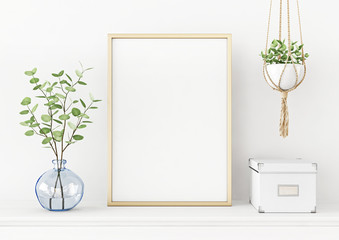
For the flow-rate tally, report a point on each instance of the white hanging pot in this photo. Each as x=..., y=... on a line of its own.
x=288, y=79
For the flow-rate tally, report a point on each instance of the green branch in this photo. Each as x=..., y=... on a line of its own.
x=57, y=100
x=44, y=134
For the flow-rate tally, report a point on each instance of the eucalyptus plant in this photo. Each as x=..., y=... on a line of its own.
x=64, y=117
x=278, y=53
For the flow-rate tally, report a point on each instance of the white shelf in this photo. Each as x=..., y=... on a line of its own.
x=241, y=214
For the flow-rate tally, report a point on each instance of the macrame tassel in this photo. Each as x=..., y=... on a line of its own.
x=284, y=116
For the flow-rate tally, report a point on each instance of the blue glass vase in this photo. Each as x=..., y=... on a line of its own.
x=59, y=189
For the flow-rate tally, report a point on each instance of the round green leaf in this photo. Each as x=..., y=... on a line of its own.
x=71, y=125
x=57, y=134
x=82, y=126
x=78, y=73
x=37, y=87
x=60, y=95
x=49, y=103
x=34, y=125
x=29, y=133
x=82, y=83
x=46, y=140
x=34, y=108
x=57, y=106
x=71, y=89
x=24, y=124
x=34, y=80
x=29, y=73
x=91, y=97
x=26, y=101
x=54, y=98
x=24, y=112
x=34, y=70
x=29, y=121
x=46, y=118
x=43, y=85
x=75, y=112
x=61, y=73
x=78, y=137
x=64, y=82
x=64, y=117
x=45, y=130
x=49, y=89
x=58, y=139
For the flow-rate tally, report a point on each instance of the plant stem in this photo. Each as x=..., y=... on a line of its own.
x=62, y=190
x=64, y=125
x=50, y=113
x=56, y=154
x=61, y=187
x=54, y=141
x=62, y=89
x=62, y=148
x=56, y=182
x=76, y=128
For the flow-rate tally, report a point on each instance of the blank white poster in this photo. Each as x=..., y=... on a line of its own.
x=169, y=113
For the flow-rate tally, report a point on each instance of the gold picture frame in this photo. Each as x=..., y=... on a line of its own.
x=228, y=201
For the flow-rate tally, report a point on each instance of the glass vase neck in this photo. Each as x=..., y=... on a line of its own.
x=59, y=164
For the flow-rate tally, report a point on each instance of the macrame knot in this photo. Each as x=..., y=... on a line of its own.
x=284, y=116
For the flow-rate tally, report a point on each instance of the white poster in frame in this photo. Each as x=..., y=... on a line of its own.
x=169, y=119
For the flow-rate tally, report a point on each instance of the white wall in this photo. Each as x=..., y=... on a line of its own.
x=55, y=35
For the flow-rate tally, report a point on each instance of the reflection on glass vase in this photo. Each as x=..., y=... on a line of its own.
x=59, y=189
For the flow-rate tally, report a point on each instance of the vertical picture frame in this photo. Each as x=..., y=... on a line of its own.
x=169, y=120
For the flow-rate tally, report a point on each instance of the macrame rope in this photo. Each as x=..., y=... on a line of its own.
x=268, y=27
x=280, y=17
x=283, y=126
x=301, y=41
x=301, y=35
x=283, y=129
x=284, y=118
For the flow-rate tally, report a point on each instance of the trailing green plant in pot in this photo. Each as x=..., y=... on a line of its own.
x=58, y=189
x=277, y=58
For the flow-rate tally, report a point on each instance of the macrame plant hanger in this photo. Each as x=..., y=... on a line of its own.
x=284, y=118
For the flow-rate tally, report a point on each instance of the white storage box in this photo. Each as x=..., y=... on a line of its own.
x=283, y=185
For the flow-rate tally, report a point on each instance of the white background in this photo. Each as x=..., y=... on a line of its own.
x=169, y=119
x=55, y=35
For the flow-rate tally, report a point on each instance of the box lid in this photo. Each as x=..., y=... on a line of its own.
x=282, y=165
